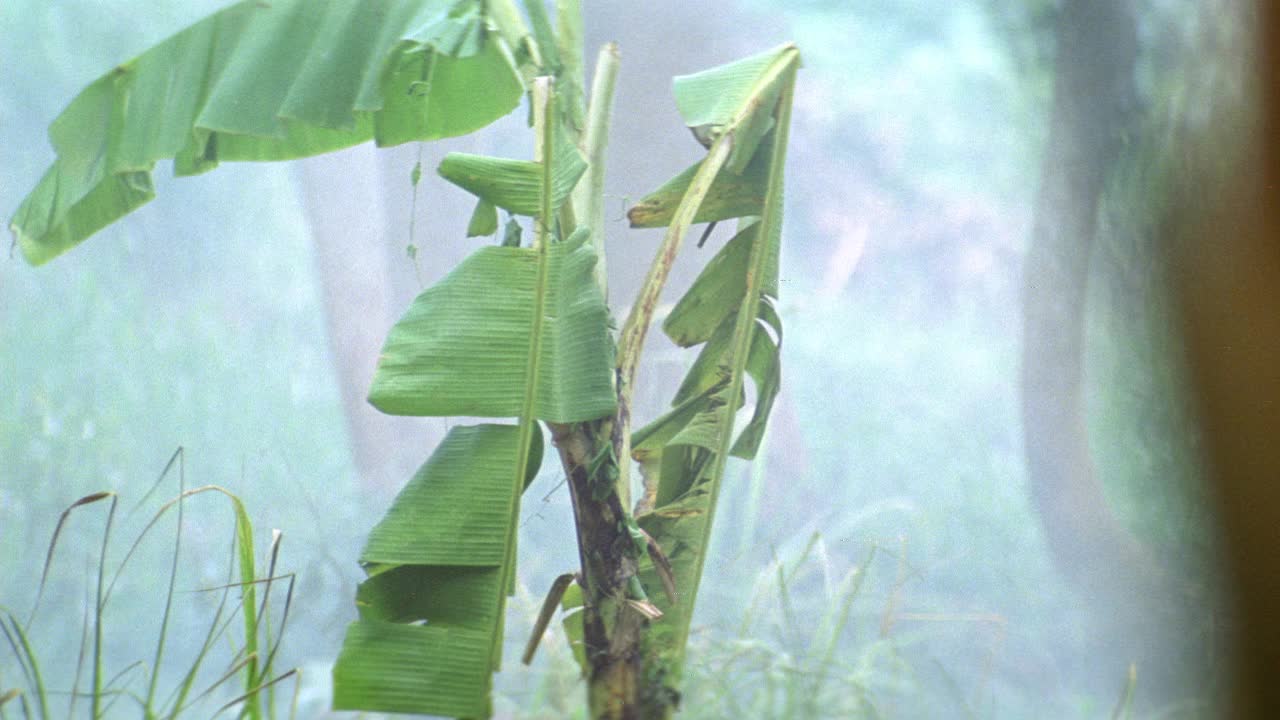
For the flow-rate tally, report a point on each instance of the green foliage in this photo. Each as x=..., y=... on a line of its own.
x=515, y=185
x=252, y=657
x=264, y=82
x=917, y=440
x=732, y=195
x=513, y=332
x=440, y=555
x=684, y=452
x=461, y=348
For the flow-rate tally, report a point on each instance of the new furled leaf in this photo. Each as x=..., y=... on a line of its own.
x=265, y=81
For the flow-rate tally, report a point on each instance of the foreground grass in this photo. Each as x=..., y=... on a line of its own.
x=231, y=667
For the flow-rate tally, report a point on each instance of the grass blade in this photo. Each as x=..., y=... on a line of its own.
x=98, y=607
x=53, y=543
x=27, y=662
x=158, y=660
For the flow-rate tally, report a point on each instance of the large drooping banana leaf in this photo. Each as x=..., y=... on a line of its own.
x=266, y=81
x=730, y=311
x=441, y=556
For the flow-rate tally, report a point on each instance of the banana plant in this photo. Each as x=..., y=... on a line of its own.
x=519, y=330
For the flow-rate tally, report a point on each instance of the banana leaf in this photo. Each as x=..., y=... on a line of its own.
x=511, y=331
x=462, y=347
x=730, y=311
x=515, y=185
x=265, y=81
x=730, y=196
x=736, y=100
x=439, y=557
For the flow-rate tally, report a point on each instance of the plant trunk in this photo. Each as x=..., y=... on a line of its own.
x=613, y=630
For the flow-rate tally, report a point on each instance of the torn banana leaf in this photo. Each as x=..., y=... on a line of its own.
x=729, y=310
x=265, y=81
x=738, y=99
x=681, y=450
x=719, y=288
x=429, y=636
x=730, y=196
x=461, y=348
x=707, y=314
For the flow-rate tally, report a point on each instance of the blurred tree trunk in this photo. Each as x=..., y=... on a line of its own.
x=1096, y=48
x=342, y=201
x=1226, y=224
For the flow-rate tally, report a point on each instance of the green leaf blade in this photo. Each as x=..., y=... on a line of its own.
x=515, y=185
x=461, y=347
x=719, y=289
x=264, y=81
x=730, y=196
x=456, y=509
x=440, y=556
x=390, y=667
x=738, y=98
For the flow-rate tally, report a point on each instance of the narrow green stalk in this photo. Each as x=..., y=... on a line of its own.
x=1123, y=709
x=588, y=196
x=543, y=124
x=29, y=664
x=157, y=662
x=95, y=701
x=832, y=637
x=745, y=323
x=248, y=600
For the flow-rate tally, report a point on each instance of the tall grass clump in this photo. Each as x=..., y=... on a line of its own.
x=231, y=666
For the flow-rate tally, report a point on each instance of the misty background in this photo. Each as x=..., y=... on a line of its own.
x=239, y=315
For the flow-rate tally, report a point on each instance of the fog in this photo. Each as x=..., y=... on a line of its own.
x=997, y=478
